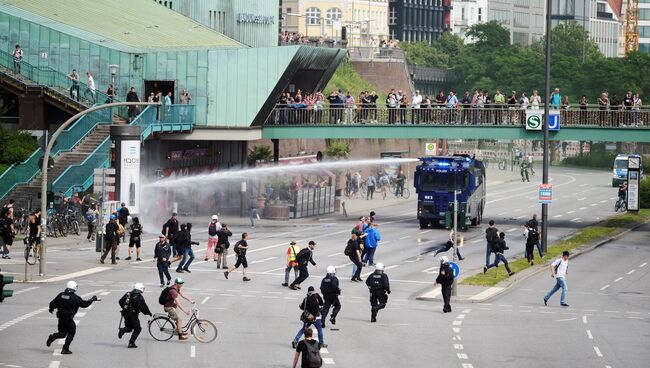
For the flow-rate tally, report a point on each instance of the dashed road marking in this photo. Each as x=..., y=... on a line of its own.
x=600, y=355
x=583, y=208
x=556, y=216
x=456, y=329
x=205, y=300
x=457, y=323
x=460, y=316
x=589, y=335
x=425, y=231
x=476, y=241
x=604, y=287
x=405, y=237
x=54, y=364
x=584, y=319
x=643, y=264
x=26, y=290
x=467, y=365
x=511, y=230
x=618, y=279
x=75, y=275
x=192, y=351
x=631, y=272
x=570, y=212
x=462, y=356
x=328, y=361
x=335, y=254
x=458, y=346
x=577, y=219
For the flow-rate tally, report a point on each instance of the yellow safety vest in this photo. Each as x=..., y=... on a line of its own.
x=293, y=252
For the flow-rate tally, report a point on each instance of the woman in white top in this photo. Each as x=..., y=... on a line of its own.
x=636, y=108
x=535, y=100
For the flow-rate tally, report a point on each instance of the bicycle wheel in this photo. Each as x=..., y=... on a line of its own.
x=62, y=229
x=203, y=330
x=623, y=207
x=76, y=228
x=363, y=190
x=161, y=328
x=406, y=193
x=30, y=255
x=617, y=205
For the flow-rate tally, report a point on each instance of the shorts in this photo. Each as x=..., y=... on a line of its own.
x=241, y=261
x=8, y=240
x=134, y=241
x=293, y=264
x=172, y=313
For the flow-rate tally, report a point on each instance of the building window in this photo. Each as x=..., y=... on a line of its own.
x=313, y=16
x=392, y=17
x=333, y=14
x=480, y=15
x=462, y=13
x=600, y=7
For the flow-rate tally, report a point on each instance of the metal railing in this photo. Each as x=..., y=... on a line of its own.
x=20, y=173
x=497, y=116
x=426, y=74
x=376, y=54
x=72, y=177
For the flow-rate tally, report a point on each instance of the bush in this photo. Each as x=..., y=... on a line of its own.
x=644, y=193
x=599, y=159
x=346, y=78
x=16, y=147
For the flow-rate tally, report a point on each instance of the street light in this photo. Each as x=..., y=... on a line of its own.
x=547, y=91
x=45, y=167
x=113, y=69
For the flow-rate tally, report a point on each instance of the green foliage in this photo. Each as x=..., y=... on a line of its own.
x=423, y=54
x=489, y=36
x=570, y=40
x=346, y=78
x=644, y=193
x=337, y=149
x=16, y=146
x=594, y=159
x=260, y=153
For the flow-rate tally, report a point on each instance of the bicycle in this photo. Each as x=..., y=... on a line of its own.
x=162, y=328
x=406, y=193
x=621, y=204
x=32, y=252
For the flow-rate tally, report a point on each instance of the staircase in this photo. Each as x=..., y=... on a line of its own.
x=27, y=196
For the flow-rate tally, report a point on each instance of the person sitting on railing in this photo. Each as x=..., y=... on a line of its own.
x=74, y=88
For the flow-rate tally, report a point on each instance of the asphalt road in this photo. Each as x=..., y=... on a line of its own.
x=257, y=320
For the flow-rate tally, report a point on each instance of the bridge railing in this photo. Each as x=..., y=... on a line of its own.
x=300, y=114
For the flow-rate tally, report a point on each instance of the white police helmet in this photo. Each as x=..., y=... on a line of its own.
x=139, y=286
x=71, y=285
x=379, y=266
x=331, y=270
x=444, y=259
x=215, y=218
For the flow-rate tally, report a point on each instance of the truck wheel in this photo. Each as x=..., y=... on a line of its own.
x=424, y=223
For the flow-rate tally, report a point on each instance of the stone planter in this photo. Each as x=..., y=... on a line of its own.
x=261, y=201
x=277, y=212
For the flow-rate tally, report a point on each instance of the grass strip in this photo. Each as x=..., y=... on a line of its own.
x=585, y=236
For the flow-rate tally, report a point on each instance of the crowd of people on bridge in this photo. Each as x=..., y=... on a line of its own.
x=479, y=107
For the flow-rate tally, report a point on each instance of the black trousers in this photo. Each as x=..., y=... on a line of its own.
x=304, y=273
x=378, y=300
x=446, y=297
x=66, y=329
x=329, y=301
x=131, y=324
x=357, y=274
x=530, y=255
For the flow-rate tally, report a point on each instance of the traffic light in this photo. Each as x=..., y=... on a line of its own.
x=5, y=280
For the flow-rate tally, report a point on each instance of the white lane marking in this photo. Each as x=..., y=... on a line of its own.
x=456, y=329
x=57, y=352
x=618, y=279
x=328, y=361
x=21, y=318
x=192, y=351
x=425, y=231
x=589, y=335
x=430, y=270
x=643, y=265
x=600, y=355
x=458, y=346
x=570, y=212
x=324, y=351
x=556, y=216
x=462, y=356
x=405, y=237
x=631, y=272
x=26, y=290
x=584, y=319
x=511, y=230
x=205, y=300
x=75, y=275
x=594, y=204
x=263, y=260
x=476, y=241
x=54, y=364
x=583, y=208
x=104, y=293
x=582, y=199
x=275, y=269
x=565, y=320
x=486, y=293
x=604, y=287
x=335, y=254
x=577, y=219
x=467, y=365
x=457, y=323
x=457, y=338
x=460, y=316
x=466, y=310
x=603, y=201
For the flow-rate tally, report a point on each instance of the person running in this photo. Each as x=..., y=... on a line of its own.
x=213, y=238
x=311, y=306
x=304, y=257
x=172, y=305
x=292, y=263
x=134, y=239
x=240, y=249
x=170, y=228
x=330, y=289
x=379, y=287
x=445, y=279
x=67, y=304
x=222, y=246
x=188, y=253
x=353, y=251
x=310, y=351
x=111, y=237
x=559, y=270
x=499, y=249
x=491, y=235
x=162, y=252
x=447, y=246
x=132, y=304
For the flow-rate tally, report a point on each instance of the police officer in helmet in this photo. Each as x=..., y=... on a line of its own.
x=133, y=304
x=67, y=303
x=445, y=279
x=329, y=287
x=379, y=290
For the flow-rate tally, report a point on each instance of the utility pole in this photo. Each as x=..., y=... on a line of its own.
x=547, y=91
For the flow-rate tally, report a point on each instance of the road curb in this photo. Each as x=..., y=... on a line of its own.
x=506, y=286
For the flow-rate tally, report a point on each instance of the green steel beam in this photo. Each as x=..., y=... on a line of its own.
x=452, y=132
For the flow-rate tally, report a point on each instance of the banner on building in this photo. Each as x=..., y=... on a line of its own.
x=130, y=175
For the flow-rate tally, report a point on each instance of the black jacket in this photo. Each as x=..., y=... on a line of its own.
x=312, y=304
x=499, y=246
x=172, y=227
x=162, y=251
x=446, y=276
x=330, y=285
x=188, y=236
x=111, y=231
x=133, y=302
x=305, y=255
x=68, y=303
x=378, y=281
x=181, y=239
x=222, y=236
x=136, y=230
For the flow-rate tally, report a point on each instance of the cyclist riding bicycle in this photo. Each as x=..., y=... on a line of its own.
x=172, y=304
x=622, y=191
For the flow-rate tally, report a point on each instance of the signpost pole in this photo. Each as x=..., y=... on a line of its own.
x=547, y=90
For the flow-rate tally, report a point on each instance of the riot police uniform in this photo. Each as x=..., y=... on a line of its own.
x=329, y=287
x=133, y=304
x=67, y=304
x=445, y=279
x=379, y=290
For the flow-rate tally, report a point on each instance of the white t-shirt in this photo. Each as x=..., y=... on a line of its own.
x=91, y=83
x=564, y=265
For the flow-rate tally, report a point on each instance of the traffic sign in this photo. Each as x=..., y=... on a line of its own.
x=533, y=120
x=431, y=149
x=554, y=120
x=454, y=268
x=545, y=193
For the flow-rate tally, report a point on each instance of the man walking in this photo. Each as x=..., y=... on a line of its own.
x=213, y=238
x=499, y=248
x=90, y=89
x=371, y=182
x=111, y=237
x=67, y=304
x=532, y=238
x=311, y=314
x=132, y=304
x=353, y=251
x=222, y=246
x=17, y=54
x=445, y=279
x=74, y=88
x=310, y=350
x=379, y=289
x=491, y=235
x=292, y=262
x=304, y=257
x=134, y=239
x=170, y=228
x=559, y=270
x=329, y=287
x=535, y=224
x=240, y=249
x=162, y=252
x=188, y=253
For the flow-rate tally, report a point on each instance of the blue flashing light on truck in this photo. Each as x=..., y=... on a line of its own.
x=435, y=181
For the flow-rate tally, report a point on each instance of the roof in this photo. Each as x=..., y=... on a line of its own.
x=128, y=25
x=617, y=7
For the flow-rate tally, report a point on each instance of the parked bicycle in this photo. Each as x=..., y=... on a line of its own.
x=163, y=328
x=32, y=252
x=71, y=222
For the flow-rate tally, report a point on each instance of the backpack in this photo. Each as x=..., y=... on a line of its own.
x=90, y=216
x=236, y=248
x=349, y=249
x=212, y=229
x=533, y=236
x=120, y=230
x=491, y=234
x=164, y=296
x=303, y=256
x=311, y=355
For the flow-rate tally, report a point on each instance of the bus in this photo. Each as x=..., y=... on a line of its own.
x=436, y=179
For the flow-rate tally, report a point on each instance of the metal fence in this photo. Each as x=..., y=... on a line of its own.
x=313, y=202
x=376, y=53
x=592, y=116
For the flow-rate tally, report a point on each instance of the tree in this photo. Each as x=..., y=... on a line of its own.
x=337, y=149
x=259, y=153
x=491, y=35
x=16, y=146
x=570, y=39
x=423, y=54
x=450, y=44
